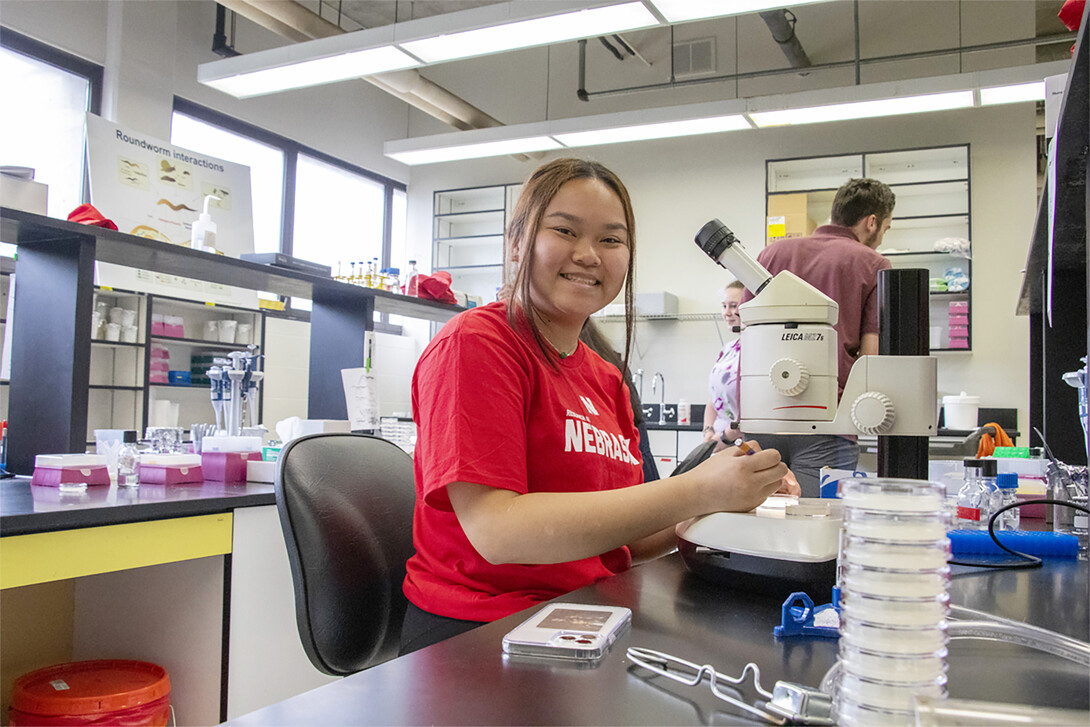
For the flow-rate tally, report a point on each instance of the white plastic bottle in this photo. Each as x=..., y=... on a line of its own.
x=684, y=415
x=203, y=236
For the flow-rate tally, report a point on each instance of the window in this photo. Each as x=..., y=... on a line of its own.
x=266, y=165
x=339, y=215
x=306, y=204
x=47, y=94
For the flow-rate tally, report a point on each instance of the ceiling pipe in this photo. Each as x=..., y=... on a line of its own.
x=783, y=32
x=252, y=13
x=292, y=14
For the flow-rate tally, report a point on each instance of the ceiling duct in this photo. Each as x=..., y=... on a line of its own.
x=783, y=32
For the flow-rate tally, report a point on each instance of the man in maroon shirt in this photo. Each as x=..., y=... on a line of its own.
x=840, y=260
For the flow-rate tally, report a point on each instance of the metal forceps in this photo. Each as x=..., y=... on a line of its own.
x=691, y=675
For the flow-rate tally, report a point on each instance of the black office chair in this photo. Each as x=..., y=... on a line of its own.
x=346, y=507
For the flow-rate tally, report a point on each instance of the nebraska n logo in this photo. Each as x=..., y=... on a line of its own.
x=589, y=405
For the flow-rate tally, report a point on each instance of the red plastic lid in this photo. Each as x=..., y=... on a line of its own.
x=85, y=687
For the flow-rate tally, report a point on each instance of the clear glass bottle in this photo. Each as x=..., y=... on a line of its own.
x=1007, y=484
x=369, y=275
x=969, y=497
x=411, y=279
x=376, y=276
x=128, y=461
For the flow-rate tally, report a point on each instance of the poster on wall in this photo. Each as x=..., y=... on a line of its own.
x=153, y=189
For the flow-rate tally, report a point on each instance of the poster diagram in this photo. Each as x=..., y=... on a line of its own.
x=153, y=189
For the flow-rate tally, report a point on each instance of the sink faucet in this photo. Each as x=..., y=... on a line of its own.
x=639, y=382
x=662, y=395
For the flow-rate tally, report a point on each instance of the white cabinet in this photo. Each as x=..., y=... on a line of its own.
x=933, y=204
x=467, y=236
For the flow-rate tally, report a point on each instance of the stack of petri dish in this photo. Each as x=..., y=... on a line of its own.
x=894, y=600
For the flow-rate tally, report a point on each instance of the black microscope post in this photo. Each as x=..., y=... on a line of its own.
x=903, y=330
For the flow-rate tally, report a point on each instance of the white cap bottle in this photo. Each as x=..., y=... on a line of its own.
x=203, y=236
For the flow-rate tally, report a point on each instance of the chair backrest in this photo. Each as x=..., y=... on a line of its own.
x=346, y=507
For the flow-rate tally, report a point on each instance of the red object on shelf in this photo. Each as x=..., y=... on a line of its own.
x=106, y=691
x=86, y=214
x=1071, y=13
x=436, y=287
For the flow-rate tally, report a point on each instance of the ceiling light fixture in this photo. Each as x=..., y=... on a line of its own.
x=645, y=132
x=1013, y=94
x=891, y=98
x=586, y=23
x=865, y=109
x=314, y=72
x=404, y=153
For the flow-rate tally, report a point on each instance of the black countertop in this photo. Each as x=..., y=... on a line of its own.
x=27, y=509
x=468, y=680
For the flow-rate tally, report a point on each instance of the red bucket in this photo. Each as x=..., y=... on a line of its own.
x=103, y=692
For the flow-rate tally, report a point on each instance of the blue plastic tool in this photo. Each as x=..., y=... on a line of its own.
x=799, y=620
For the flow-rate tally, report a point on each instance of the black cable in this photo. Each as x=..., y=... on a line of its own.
x=1030, y=561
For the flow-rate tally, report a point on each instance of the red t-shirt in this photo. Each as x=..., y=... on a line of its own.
x=836, y=263
x=490, y=410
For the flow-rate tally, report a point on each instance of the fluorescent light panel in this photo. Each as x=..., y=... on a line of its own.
x=680, y=11
x=314, y=72
x=1013, y=94
x=865, y=109
x=475, y=151
x=643, y=132
x=586, y=23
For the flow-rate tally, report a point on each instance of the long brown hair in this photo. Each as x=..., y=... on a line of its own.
x=537, y=192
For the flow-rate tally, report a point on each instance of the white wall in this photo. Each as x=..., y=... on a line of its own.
x=678, y=185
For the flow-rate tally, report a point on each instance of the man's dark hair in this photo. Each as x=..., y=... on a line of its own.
x=859, y=198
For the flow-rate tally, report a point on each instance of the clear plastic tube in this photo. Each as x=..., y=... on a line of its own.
x=1023, y=635
x=963, y=712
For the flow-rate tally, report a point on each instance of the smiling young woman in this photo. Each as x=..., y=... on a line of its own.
x=528, y=470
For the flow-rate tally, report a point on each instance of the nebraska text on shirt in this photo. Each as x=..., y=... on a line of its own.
x=581, y=436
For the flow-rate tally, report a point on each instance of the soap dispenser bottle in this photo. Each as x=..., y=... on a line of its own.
x=204, y=229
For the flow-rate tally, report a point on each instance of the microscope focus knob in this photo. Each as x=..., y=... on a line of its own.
x=789, y=377
x=873, y=413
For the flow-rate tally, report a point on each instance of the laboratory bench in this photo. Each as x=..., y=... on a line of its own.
x=194, y=578
x=468, y=679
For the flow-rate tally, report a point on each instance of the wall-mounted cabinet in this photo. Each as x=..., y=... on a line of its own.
x=933, y=205
x=467, y=236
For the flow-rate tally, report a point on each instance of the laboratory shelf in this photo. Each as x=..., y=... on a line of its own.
x=116, y=344
x=169, y=340
x=934, y=201
x=490, y=238
x=53, y=322
x=114, y=387
x=491, y=266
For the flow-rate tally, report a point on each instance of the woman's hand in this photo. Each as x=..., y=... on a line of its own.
x=709, y=434
x=737, y=481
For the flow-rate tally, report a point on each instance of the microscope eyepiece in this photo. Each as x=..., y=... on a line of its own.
x=714, y=238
